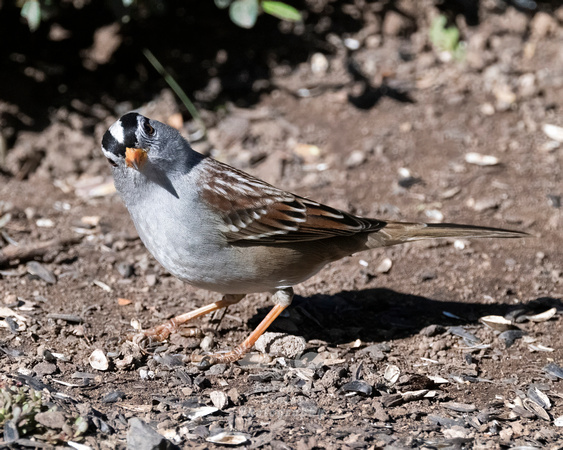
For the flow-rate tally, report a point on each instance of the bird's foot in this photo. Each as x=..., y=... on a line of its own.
x=161, y=332
x=205, y=361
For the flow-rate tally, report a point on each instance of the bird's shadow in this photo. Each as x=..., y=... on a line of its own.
x=376, y=315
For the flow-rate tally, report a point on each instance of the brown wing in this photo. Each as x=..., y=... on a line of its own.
x=253, y=210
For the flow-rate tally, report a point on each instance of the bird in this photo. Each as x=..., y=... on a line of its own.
x=218, y=228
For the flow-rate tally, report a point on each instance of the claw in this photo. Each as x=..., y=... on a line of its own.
x=206, y=362
x=203, y=362
x=140, y=339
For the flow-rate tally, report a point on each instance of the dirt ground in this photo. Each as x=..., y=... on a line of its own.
x=392, y=351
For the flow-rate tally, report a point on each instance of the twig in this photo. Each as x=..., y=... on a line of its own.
x=175, y=87
x=12, y=253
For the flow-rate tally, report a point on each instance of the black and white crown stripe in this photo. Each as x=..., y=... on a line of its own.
x=120, y=136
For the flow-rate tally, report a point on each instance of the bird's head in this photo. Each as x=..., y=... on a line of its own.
x=137, y=143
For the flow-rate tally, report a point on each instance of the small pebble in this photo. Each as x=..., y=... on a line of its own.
x=392, y=373
x=355, y=159
x=542, y=25
x=319, y=64
x=45, y=223
x=428, y=275
x=459, y=244
x=358, y=387
x=554, y=200
x=30, y=213
x=434, y=215
x=553, y=132
x=51, y=419
x=480, y=159
x=168, y=360
x=384, y=266
x=146, y=374
x=219, y=399
x=406, y=179
x=45, y=368
x=98, y=360
x=483, y=204
x=281, y=344
x=207, y=343
x=11, y=433
x=352, y=44
x=510, y=336
x=309, y=407
x=374, y=352
x=39, y=270
x=217, y=369
x=141, y=436
x=113, y=397
x=309, y=153
x=92, y=221
x=125, y=269
x=487, y=109
x=151, y=279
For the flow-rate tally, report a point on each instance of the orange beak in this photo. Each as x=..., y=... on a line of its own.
x=135, y=157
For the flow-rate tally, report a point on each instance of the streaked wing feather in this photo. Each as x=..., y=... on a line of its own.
x=253, y=210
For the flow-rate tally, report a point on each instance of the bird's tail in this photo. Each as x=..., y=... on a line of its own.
x=399, y=232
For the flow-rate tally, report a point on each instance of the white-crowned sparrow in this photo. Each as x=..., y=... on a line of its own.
x=221, y=229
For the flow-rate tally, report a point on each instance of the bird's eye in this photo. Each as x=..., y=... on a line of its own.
x=148, y=129
x=112, y=162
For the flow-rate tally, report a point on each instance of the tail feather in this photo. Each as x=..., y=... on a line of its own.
x=399, y=232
